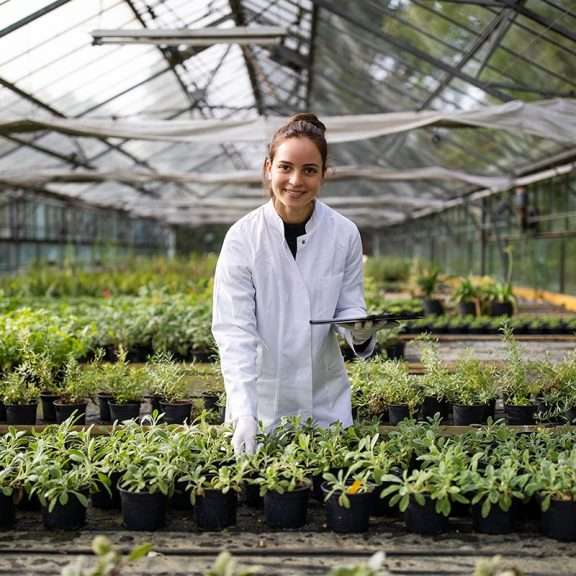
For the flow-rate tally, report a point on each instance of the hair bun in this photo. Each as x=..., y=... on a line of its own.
x=308, y=118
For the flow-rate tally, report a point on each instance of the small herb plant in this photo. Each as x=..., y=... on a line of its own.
x=18, y=389
x=473, y=382
x=355, y=480
x=166, y=378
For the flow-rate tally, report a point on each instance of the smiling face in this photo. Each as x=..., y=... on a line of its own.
x=296, y=174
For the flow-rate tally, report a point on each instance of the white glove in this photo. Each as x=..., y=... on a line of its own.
x=363, y=331
x=244, y=437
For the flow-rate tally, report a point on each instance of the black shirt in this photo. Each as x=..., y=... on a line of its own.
x=291, y=233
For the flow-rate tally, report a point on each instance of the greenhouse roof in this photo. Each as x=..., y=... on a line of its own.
x=369, y=57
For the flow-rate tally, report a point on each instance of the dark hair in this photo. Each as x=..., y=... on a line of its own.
x=303, y=125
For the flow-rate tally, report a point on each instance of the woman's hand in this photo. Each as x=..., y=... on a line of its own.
x=244, y=437
x=363, y=331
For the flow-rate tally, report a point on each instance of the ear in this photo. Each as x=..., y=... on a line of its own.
x=267, y=168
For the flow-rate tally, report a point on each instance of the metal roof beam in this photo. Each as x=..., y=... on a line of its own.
x=31, y=17
x=402, y=45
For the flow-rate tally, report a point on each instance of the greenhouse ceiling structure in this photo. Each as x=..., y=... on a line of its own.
x=73, y=70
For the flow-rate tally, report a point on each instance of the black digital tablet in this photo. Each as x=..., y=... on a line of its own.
x=387, y=317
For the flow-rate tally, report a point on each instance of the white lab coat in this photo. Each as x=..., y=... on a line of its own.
x=275, y=363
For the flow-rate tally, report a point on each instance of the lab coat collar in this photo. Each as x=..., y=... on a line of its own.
x=278, y=224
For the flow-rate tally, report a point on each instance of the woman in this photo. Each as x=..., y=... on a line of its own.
x=288, y=262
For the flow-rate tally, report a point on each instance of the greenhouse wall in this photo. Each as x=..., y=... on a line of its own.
x=35, y=228
x=529, y=231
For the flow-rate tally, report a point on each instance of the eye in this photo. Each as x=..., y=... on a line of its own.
x=311, y=171
x=284, y=167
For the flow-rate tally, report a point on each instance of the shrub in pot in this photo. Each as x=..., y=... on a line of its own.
x=397, y=389
x=20, y=397
x=493, y=490
x=12, y=460
x=435, y=381
x=519, y=382
x=127, y=387
x=427, y=282
x=76, y=389
x=389, y=343
x=145, y=485
x=553, y=481
x=348, y=499
x=46, y=375
x=285, y=487
x=166, y=380
x=465, y=295
x=214, y=489
x=426, y=497
x=472, y=391
x=500, y=298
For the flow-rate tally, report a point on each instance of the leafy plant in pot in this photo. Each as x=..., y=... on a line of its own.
x=427, y=281
x=12, y=456
x=519, y=383
x=473, y=391
x=435, y=381
x=493, y=490
x=285, y=486
x=500, y=298
x=20, y=397
x=127, y=388
x=466, y=297
x=214, y=491
x=348, y=499
x=554, y=483
x=145, y=485
x=74, y=394
x=388, y=341
x=397, y=389
x=166, y=379
x=46, y=375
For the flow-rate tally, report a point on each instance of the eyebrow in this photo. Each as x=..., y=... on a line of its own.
x=292, y=164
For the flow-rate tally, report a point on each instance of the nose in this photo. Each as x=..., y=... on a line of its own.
x=295, y=177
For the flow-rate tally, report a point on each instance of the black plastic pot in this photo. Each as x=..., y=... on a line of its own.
x=498, y=521
x=48, y=408
x=252, y=496
x=154, y=400
x=210, y=402
x=559, y=521
x=181, y=501
x=176, y=413
x=215, y=510
x=139, y=353
x=467, y=308
x=348, y=520
x=21, y=414
x=432, y=406
x=501, y=309
x=64, y=411
x=397, y=413
x=433, y=307
x=570, y=415
x=142, y=511
x=395, y=350
x=288, y=510
x=467, y=415
x=381, y=506
x=128, y=411
x=69, y=516
x=104, y=406
x=7, y=511
x=519, y=415
x=28, y=503
x=424, y=519
x=108, y=501
x=2, y=411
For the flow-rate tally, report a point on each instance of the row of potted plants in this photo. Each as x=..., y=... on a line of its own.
x=529, y=390
x=118, y=388
x=492, y=473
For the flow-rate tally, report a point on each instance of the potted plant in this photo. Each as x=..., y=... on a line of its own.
x=388, y=341
x=45, y=375
x=554, y=484
x=348, y=499
x=466, y=297
x=74, y=394
x=427, y=279
x=127, y=388
x=426, y=496
x=285, y=486
x=397, y=389
x=145, y=485
x=519, y=383
x=435, y=381
x=20, y=397
x=166, y=379
x=12, y=455
x=473, y=391
x=501, y=299
x=214, y=489
x=493, y=490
